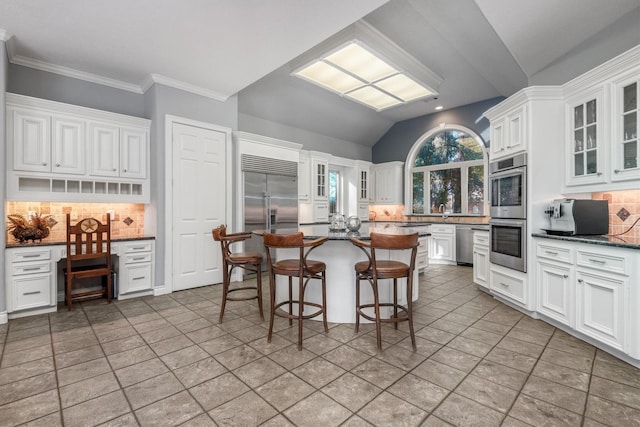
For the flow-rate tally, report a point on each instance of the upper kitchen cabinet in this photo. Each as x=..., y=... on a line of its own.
x=44, y=142
x=388, y=183
x=626, y=124
x=63, y=152
x=601, y=121
x=118, y=151
x=363, y=181
x=586, y=126
x=320, y=175
x=509, y=132
x=304, y=179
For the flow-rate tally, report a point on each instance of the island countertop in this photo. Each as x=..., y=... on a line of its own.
x=322, y=230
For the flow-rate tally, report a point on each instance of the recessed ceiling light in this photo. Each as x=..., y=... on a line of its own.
x=439, y=107
x=380, y=77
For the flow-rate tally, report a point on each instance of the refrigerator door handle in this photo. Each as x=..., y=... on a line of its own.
x=267, y=211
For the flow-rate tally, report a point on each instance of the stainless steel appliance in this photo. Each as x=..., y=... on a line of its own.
x=509, y=187
x=508, y=243
x=571, y=216
x=270, y=197
x=464, y=244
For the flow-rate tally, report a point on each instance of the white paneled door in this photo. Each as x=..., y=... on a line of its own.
x=199, y=182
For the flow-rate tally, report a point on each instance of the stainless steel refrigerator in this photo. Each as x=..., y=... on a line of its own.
x=270, y=203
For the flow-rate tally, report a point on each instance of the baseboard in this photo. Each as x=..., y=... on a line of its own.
x=4, y=317
x=160, y=291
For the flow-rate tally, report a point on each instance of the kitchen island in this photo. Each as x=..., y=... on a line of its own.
x=340, y=255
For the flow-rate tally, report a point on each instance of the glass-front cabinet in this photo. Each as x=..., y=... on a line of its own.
x=625, y=140
x=585, y=114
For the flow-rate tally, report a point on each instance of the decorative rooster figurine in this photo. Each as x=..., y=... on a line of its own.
x=35, y=228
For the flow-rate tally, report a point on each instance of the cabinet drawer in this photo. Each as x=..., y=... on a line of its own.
x=35, y=255
x=609, y=263
x=40, y=267
x=423, y=245
x=136, y=258
x=441, y=229
x=508, y=286
x=32, y=292
x=138, y=278
x=481, y=238
x=131, y=248
x=554, y=253
x=422, y=261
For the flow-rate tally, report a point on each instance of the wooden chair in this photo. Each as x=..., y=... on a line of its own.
x=88, y=240
x=302, y=268
x=375, y=269
x=250, y=261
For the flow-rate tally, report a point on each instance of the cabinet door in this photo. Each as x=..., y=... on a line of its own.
x=441, y=247
x=31, y=141
x=133, y=153
x=517, y=131
x=104, y=140
x=320, y=180
x=304, y=172
x=625, y=143
x=363, y=184
x=586, y=138
x=497, y=137
x=321, y=212
x=481, y=266
x=600, y=307
x=67, y=145
x=555, y=297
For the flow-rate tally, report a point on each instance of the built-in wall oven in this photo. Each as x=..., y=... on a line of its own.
x=509, y=187
x=508, y=243
x=508, y=221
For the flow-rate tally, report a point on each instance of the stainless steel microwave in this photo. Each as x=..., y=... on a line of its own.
x=509, y=187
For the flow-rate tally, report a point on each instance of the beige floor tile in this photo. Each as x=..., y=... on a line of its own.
x=378, y=372
x=387, y=409
x=307, y=413
x=30, y=408
x=96, y=411
x=141, y=371
x=152, y=390
x=173, y=410
x=487, y=393
x=236, y=412
x=351, y=391
x=208, y=393
x=419, y=392
x=460, y=411
x=284, y=391
x=537, y=413
x=199, y=372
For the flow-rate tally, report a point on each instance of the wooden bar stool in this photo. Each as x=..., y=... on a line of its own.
x=379, y=269
x=302, y=268
x=250, y=261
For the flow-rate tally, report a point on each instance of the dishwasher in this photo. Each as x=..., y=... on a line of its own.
x=464, y=244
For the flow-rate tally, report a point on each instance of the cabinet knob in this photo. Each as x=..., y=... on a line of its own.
x=44, y=164
x=124, y=170
x=57, y=165
x=580, y=281
x=114, y=169
x=599, y=173
x=616, y=171
x=565, y=276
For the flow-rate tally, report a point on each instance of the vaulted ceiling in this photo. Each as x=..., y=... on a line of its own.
x=219, y=48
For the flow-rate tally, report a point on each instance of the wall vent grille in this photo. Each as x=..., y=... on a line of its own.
x=251, y=163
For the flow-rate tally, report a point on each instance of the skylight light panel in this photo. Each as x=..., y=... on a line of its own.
x=361, y=62
x=330, y=77
x=374, y=98
x=403, y=87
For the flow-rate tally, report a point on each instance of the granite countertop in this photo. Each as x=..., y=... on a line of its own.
x=629, y=242
x=49, y=243
x=322, y=230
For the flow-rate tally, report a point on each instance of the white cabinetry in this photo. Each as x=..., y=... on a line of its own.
x=304, y=177
x=556, y=294
x=320, y=185
x=136, y=268
x=509, y=132
x=509, y=284
x=442, y=249
x=388, y=183
x=601, y=121
x=592, y=290
x=30, y=280
x=481, y=258
x=62, y=152
x=363, y=188
x=44, y=142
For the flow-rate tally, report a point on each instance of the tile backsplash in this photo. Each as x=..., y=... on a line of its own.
x=624, y=210
x=128, y=220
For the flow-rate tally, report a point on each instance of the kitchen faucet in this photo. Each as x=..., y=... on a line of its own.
x=443, y=211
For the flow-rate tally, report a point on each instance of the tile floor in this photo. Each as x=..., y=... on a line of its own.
x=166, y=361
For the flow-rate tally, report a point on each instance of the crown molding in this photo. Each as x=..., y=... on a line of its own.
x=152, y=79
x=149, y=80
x=71, y=72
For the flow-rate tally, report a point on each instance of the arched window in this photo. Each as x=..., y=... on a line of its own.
x=446, y=171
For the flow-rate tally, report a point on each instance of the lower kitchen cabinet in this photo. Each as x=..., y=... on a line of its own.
x=33, y=276
x=30, y=280
x=481, y=258
x=593, y=290
x=136, y=267
x=442, y=248
x=509, y=284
